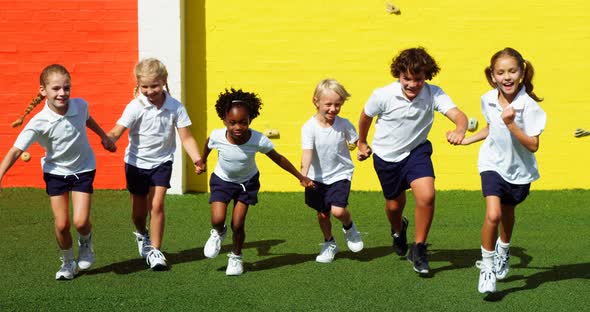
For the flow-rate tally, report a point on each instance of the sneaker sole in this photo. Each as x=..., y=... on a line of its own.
x=159, y=267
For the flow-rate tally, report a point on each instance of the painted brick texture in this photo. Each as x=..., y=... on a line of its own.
x=97, y=41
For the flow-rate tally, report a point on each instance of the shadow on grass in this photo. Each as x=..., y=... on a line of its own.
x=552, y=274
x=189, y=255
x=281, y=260
x=465, y=258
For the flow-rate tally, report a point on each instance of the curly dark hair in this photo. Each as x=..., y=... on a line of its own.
x=232, y=98
x=414, y=60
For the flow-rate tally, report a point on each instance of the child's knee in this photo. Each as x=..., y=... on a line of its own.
x=62, y=226
x=493, y=217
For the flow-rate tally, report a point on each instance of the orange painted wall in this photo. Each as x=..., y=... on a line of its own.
x=97, y=41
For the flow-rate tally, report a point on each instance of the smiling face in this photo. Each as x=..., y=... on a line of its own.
x=56, y=89
x=506, y=74
x=237, y=122
x=328, y=105
x=153, y=89
x=412, y=84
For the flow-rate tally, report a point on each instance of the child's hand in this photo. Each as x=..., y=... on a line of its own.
x=108, y=144
x=200, y=166
x=364, y=151
x=456, y=136
x=508, y=115
x=306, y=182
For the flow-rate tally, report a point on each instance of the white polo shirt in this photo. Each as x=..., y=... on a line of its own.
x=152, y=138
x=331, y=160
x=237, y=163
x=64, y=138
x=501, y=151
x=402, y=124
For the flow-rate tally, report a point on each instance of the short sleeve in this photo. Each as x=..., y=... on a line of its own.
x=351, y=134
x=484, y=110
x=129, y=116
x=535, y=119
x=25, y=139
x=373, y=106
x=265, y=144
x=183, y=120
x=307, y=139
x=442, y=102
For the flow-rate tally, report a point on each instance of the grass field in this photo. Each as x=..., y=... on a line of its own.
x=550, y=258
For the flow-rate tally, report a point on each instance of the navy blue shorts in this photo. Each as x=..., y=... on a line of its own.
x=59, y=184
x=492, y=184
x=323, y=196
x=140, y=180
x=395, y=177
x=223, y=191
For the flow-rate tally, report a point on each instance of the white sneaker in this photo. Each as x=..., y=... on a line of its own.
x=68, y=270
x=144, y=244
x=487, y=278
x=85, y=253
x=213, y=244
x=353, y=239
x=234, y=265
x=156, y=260
x=501, y=263
x=329, y=250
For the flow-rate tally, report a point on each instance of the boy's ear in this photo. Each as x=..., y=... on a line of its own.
x=315, y=101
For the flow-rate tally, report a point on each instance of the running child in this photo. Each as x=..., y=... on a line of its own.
x=405, y=113
x=326, y=139
x=507, y=163
x=236, y=175
x=69, y=165
x=152, y=118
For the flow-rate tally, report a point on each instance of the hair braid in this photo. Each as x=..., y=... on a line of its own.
x=29, y=108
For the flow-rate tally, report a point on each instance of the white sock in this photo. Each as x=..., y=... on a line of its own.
x=502, y=247
x=68, y=254
x=487, y=257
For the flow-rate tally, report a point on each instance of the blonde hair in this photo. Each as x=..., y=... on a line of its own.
x=47, y=71
x=150, y=67
x=330, y=84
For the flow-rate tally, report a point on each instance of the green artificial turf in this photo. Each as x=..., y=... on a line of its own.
x=550, y=258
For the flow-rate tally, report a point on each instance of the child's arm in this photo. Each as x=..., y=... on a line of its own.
x=306, y=161
x=192, y=149
x=11, y=156
x=364, y=151
x=205, y=155
x=288, y=166
x=116, y=133
x=456, y=136
x=530, y=142
x=478, y=136
x=106, y=142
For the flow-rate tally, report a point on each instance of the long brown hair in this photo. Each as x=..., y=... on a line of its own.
x=525, y=66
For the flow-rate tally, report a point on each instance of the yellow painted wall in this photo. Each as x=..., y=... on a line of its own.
x=281, y=49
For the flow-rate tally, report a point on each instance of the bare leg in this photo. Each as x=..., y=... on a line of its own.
x=59, y=206
x=423, y=189
x=489, y=230
x=81, y=203
x=238, y=224
x=325, y=224
x=157, y=216
x=394, y=209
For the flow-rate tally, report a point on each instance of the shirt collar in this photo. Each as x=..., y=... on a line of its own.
x=146, y=104
x=53, y=116
x=517, y=103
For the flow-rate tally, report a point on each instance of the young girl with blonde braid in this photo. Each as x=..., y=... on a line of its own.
x=507, y=163
x=69, y=165
x=152, y=118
